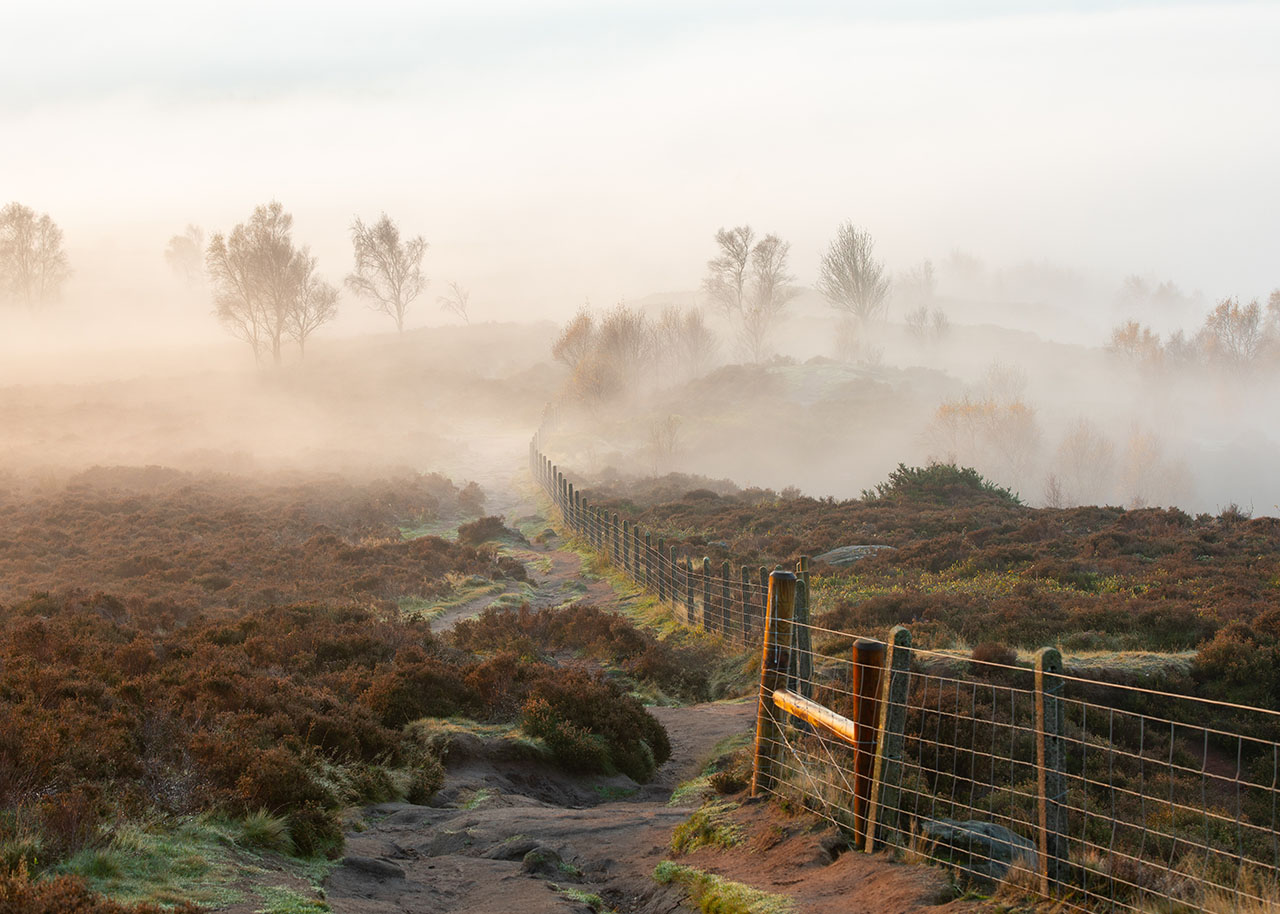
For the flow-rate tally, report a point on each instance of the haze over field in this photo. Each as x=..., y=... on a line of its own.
x=557, y=153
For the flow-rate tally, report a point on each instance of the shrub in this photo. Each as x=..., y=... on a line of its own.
x=994, y=652
x=575, y=748
x=939, y=482
x=580, y=709
x=315, y=831
x=482, y=530
x=426, y=777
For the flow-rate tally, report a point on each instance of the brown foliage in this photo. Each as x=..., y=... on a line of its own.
x=66, y=895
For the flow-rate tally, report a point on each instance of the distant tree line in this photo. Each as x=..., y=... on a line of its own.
x=1235, y=339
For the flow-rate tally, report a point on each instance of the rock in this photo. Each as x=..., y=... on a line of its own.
x=383, y=869
x=847, y=555
x=542, y=861
x=981, y=848
x=512, y=849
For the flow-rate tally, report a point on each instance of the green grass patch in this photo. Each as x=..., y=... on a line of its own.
x=445, y=529
x=465, y=588
x=164, y=863
x=709, y=826
x=282, y=900
x=716, y=895
x=438, y=735
x=593, y=901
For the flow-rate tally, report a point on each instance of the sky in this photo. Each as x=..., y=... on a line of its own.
x=560, y=152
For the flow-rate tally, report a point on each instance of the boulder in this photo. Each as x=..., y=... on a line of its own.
x=847, y=555
x=981, y=848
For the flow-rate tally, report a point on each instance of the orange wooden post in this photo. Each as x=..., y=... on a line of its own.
x=773, y=676
x=868, y=661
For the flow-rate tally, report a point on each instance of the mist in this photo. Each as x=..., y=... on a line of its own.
x=567, y=155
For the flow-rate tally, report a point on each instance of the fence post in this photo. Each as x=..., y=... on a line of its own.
x=615, y=550
x=636, y=574
x=886, y=774
x=710, y=619
x=868, y=661
x=802, y=660
x=626, y=546
x=726, y=603
x=586, y=521
x=577, y=511
x=1050, y=781
x=662, y=570
x=763, y=605
x=648, y=562
x=675, y=584
x=779, y=605
x=744, y=599
x=691, y=612
x=570, y=499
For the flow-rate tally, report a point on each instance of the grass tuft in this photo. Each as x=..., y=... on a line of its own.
x=716, y=895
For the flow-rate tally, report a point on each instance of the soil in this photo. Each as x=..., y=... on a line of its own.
x=507, y=834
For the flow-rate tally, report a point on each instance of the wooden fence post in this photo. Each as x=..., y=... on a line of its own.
x=726, y=603
x=570, y=500
x=868, y=661
x=1049, y=777
x=709, y=616
x=744, y=600
x=886, y=774
x=675, y=584
x=779, y=604
x=690, y=610
x=802, y=660
x=648, y=562
x=615, y=549
x=636, y=555
x=626, y=546
x=762, y=606
x=662, y=570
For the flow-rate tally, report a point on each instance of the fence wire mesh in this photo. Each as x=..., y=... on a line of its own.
x=1108, y=796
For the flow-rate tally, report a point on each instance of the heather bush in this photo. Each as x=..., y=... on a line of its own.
x=579, y=708
x=482, y=530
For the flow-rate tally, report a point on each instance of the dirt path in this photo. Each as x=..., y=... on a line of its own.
x=519, y=836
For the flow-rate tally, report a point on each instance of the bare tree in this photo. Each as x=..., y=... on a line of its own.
x=851, y=278
x=388, y=270
x=264, y=288
x=1085, y=462
x=33, y=265
x=685, y=341
x=624, y=343
x=457, y=301
x=749, y=282
x=726, y=280
x=185, y=254
x=1234, y=335
x=317, y=302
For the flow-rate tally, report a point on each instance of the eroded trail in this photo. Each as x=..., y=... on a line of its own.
x=507, y=834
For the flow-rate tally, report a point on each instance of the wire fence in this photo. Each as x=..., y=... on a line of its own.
x=722, y=598
x=1103, y=796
